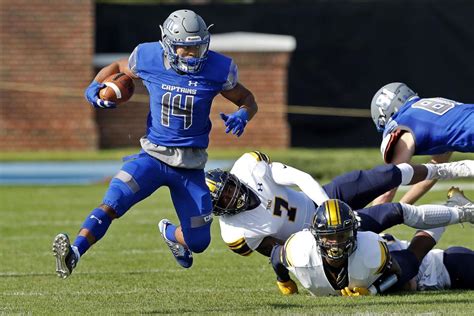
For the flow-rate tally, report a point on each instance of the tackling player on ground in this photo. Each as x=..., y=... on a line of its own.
x=333, y=258
x=182, y=77
x=257, y=208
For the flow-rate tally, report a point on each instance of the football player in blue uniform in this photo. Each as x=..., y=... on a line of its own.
x=182, y=77
x=420, y=126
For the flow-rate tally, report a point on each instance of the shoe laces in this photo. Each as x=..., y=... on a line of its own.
x=177, y=249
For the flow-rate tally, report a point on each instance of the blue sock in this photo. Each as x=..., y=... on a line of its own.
x=169, y=233
x=97, y=222
x=82, y=244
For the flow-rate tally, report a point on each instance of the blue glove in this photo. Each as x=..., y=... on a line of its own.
x=235, y=122
x=92, y=95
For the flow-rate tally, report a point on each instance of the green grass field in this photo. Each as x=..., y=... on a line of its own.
x=131, y=271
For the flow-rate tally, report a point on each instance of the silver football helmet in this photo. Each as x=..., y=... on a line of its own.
x=387, y=101
x=185, y=28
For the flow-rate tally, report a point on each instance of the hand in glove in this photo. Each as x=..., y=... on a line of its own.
x=235, y=122
x=287, y=288
x=92, y=95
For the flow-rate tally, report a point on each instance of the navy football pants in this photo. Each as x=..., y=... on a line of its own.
x=359, y=188
x=459, y=262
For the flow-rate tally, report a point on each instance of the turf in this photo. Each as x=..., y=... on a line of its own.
x=131, y=271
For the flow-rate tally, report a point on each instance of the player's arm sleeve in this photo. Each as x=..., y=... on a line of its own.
x=232, y=77
x=385, y=260
x=241, y=237
x=286, y=175
x=240, y=247
x=374, y=252
x=296, y=252
x=132, y=62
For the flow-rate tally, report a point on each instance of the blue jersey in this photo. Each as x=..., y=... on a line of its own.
x=438, y=125
x=179, y=103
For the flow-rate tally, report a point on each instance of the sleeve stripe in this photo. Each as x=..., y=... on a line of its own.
x=244, y=251
x=255, y=155
x=259, y=156
x=240, y=247
x=384, y=257
x=264, y=157
x=237, y=242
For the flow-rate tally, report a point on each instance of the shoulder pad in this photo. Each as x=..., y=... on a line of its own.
x=374, y=251
x=387, y=147
x=259, y=156
x=250, y=162
x=299, y=248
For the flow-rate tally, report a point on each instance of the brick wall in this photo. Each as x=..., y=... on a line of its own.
x=45, y=59
x=47, y=50
x=264, y=73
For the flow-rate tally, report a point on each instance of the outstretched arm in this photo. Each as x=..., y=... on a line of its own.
x=286, y=175
x=243, y=98
x=403, y=152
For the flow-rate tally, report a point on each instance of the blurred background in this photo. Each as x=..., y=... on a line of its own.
x=313, y=65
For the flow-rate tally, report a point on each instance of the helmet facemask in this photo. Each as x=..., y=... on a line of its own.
x=387, y=101
x=381, y=120
x=229, y=195
x=185, y=28
x=336, y=245
x=335, y=227
x=186, y=64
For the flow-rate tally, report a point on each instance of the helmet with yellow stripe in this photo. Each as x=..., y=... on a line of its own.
x=229, y=195
x=335, y=228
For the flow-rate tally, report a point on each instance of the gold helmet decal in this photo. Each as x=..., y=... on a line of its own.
x=333, y=214
x=211, y=185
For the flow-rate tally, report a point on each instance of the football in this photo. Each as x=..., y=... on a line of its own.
x=118, y=88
